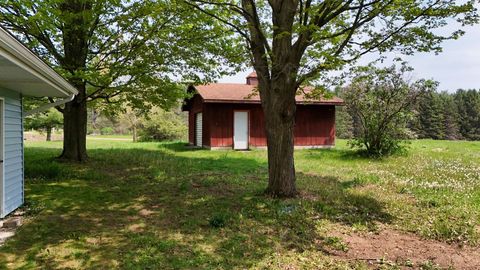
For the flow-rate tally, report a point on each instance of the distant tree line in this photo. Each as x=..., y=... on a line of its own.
x=436, y=115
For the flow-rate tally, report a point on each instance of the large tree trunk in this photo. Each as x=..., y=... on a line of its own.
x=279, y=113
x=75, y=43
x=281, y=169
x=75, y=128
x=277, y=69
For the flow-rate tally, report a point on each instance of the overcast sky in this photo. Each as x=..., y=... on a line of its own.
x=458, y=66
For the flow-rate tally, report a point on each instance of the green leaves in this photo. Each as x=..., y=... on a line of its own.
x=381, y=101
x=133, y=52
x=327, y=35
x=42, y=121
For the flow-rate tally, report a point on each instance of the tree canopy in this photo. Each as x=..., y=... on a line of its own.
x=142, y=48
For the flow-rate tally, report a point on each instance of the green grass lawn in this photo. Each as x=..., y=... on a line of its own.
x=163, y=206
x=114, y=137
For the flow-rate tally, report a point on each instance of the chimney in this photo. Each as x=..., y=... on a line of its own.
x=252, y=78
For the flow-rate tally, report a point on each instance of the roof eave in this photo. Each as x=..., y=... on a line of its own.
x=17, y=53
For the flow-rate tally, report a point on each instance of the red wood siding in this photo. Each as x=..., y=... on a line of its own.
x=315, y=125
x=257, y=127
x=207, y=119
x=221, y=125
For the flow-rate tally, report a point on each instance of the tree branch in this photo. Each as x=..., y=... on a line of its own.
x=233, y=26
x=60, y=109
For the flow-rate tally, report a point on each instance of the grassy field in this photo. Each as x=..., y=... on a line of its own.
x=58, y=136
x=115, y=136
x=164, y=206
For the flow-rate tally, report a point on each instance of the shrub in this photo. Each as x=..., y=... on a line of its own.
x=343, y=124
x=164, y=126
x=381, y=101
x=107, y=131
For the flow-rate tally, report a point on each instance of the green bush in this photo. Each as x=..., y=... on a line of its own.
x=107, y=131
x=164, y=126
x=381, y=102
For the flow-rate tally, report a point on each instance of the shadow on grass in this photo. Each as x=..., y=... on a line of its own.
x=179, y=147
x=139, y=208
x=336, y=201
x=343, y=154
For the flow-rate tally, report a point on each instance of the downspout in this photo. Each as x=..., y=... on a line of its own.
x=49, y=105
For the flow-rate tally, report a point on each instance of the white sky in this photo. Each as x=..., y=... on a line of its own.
x=458, y=66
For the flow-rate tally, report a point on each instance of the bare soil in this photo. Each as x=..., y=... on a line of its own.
x=407, y=250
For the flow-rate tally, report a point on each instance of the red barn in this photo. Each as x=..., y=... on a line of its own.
x=228, y=115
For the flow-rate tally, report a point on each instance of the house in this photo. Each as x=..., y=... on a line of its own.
x=22, y=73
x=227, y=115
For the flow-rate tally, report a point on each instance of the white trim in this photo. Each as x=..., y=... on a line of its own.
x=17, y=53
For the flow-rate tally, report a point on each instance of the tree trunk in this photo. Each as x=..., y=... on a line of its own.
x=277, y=70
x=49, y=134
x=75, y=127
x=279, y=113
x=134, y=133
x=76, y=35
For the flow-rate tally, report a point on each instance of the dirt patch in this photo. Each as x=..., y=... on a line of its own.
x=407, y=250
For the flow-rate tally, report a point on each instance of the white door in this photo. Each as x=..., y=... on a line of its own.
x=240, y=130
x=198, y=129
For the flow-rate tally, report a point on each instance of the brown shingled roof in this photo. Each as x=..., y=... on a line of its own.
x=244, y=93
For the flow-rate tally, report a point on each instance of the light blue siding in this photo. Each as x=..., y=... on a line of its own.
x=12, y=193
